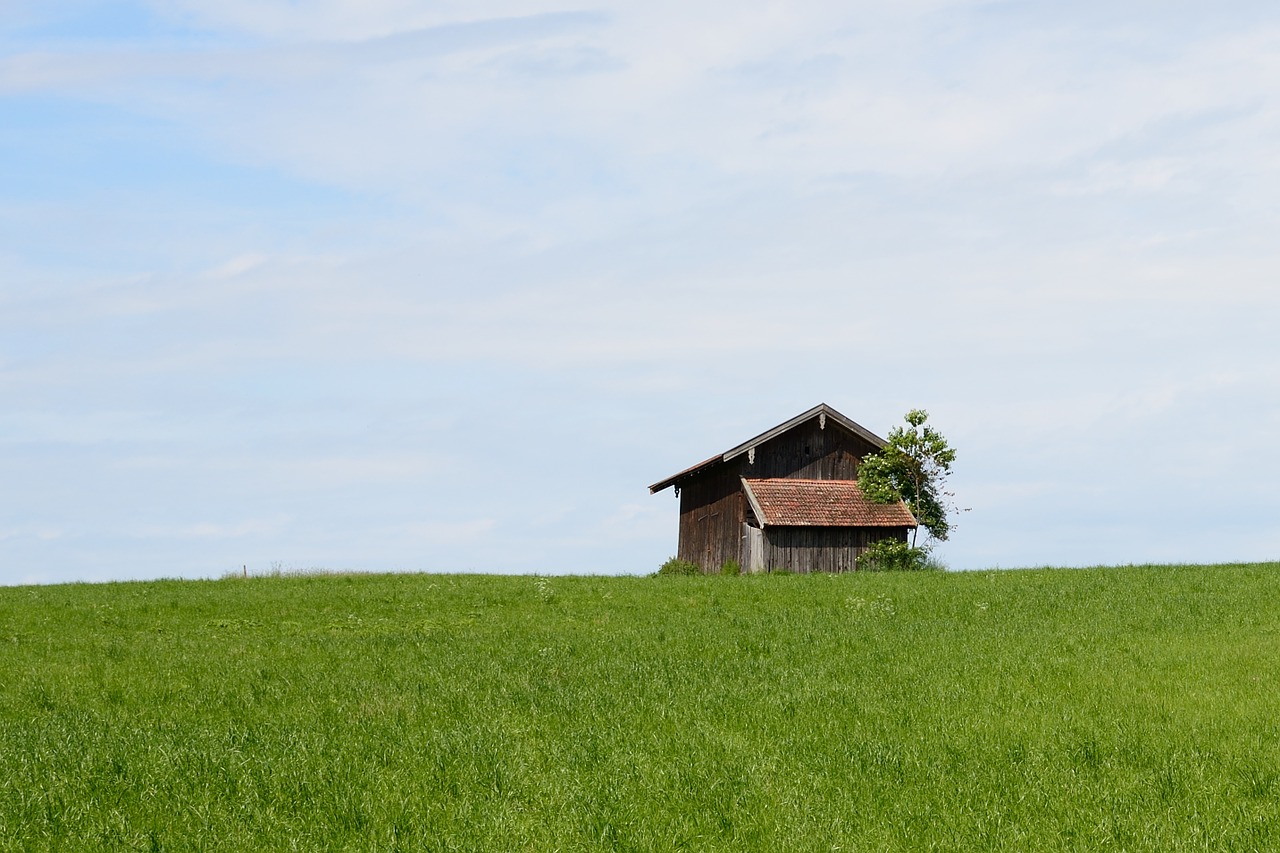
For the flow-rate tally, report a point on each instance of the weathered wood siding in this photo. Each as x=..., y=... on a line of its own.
x=821, y=549
x=752, y=559
x=808, y=452
x=713, y=508
x=711, y=515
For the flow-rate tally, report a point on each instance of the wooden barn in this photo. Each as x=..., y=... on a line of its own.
x=786, y=499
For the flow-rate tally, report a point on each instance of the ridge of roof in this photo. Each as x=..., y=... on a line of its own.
x=822, y=409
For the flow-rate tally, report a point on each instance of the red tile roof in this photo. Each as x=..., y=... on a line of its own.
x=821, y=503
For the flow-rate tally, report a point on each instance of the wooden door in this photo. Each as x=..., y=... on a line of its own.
x=752, y=548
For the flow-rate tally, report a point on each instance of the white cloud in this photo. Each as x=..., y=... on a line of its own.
x=340, y=19
x=237, y=266
x=42, y=533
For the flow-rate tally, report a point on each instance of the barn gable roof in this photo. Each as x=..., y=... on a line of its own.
x=822, y=410
x=820, y=503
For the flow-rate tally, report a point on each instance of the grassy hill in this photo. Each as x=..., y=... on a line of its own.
x=1130, y=709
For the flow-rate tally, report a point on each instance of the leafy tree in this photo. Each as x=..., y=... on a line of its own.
x=913, y=466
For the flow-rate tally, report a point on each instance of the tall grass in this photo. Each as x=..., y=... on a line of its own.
x=1128, y=709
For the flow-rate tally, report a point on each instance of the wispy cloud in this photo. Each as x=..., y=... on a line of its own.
x=253, y=527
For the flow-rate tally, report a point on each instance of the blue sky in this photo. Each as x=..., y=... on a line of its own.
x=402, y=286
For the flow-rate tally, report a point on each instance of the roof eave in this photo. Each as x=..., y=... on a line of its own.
x=848, y=526
x=687, y=472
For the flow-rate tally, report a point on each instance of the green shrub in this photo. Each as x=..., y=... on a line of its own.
x=675, y=566
x=890, y=555
x=731, y=567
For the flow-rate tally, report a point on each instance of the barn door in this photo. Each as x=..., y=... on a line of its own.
x=752, y=548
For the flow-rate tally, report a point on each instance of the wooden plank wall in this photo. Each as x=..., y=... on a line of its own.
x=822, y=549
x=711, y=514
x=809, y=453
x=752, y=559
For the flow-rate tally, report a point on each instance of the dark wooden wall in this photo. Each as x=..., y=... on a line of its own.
x=808, y=453
x=821, y=549
x=713, y=508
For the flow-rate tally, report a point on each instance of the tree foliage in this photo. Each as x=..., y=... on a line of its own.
x=913, y=467
x=890, y=555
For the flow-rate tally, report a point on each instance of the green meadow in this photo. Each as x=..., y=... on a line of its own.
x=1132, y=708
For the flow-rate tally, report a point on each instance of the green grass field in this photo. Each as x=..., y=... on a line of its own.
x=1125, y=709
